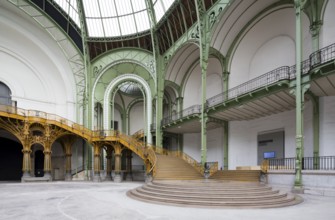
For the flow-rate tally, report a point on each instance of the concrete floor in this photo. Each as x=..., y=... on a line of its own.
x=108, y=200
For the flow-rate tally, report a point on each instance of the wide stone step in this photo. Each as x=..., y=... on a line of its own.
x=246, y=203
x=208, y=185
x=206, y=197
x=212, y=193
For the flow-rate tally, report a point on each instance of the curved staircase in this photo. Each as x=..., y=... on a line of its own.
x=212, y=193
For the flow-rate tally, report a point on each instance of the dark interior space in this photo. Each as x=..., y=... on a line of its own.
x=11, y=157
x=39, y=163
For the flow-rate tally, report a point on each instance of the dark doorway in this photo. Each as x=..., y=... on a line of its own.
x=271, y=144
x=115, y=125
x=39, y=163
x=11, y=157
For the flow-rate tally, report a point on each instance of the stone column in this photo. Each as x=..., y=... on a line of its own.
x=68, y=168
x=47, y=163
x=67, y=143
x=97, y=154
x=129, y=176
x=26, y=164
x=109, y=164
x=117, y=177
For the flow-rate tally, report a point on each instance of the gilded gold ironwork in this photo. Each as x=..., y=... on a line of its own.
x=35, y=127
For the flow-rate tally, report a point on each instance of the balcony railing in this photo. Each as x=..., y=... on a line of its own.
x=194, y=109
x=308, y=163
x=322, y=56
x=319, y=57
x=267, y=79
x=319, y=163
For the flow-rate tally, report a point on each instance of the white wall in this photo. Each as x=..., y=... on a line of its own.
x=192, y=146
x=136, y=118
x=327, y=126
x=269, y=44
x=117, y=117
x=243, y=136
x=327, y=33
x=214, y=84
x=34, y=67
x=215, y=146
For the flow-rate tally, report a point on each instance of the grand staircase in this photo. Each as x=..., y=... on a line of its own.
x=237, y=175
x=174, y=168
x=178, y=183
x=212, y=193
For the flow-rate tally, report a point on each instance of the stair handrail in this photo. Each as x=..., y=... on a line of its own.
x=195, y=164
x=84, y=132
x=138, y=134
x=265, y=166
x=152, y=155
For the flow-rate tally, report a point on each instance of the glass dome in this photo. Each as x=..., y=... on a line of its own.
x=113, y=18
x=131, y=89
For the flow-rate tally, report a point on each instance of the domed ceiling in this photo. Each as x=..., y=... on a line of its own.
x=112, y=18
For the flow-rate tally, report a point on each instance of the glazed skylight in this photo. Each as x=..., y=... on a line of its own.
x=113, y=18
x=70, y=7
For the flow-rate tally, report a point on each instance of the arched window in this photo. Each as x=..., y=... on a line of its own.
x=5, y=95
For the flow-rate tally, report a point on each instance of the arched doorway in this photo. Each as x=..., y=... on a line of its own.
x=39, y=163
x=5, y=95
x=10, y=158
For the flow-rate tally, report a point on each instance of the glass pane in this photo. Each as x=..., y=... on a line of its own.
x=127, y=24
x=138, y=5
x=70, y=7
x=111, y=26
x=94, y=27
x=91, y=8
x=73, y=3
x=159, y=10
x=142, y=21
x=167, y=4
x=107, y=8
x=123, y=7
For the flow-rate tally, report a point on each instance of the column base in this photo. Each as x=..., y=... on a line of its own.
x=148, y=178
x=48, y=176
x=129, y=177
x=68, y=177
x=108, y=178
x=117, y=178
x=96, y=178
x=25, y=176
x=298, y=189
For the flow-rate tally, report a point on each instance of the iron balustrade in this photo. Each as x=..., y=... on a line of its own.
x=319, y=163
x=308, y=163
x=194, y=109
x=322, y=56
x=282, y=164
x=267, y=79
x=319, y=57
